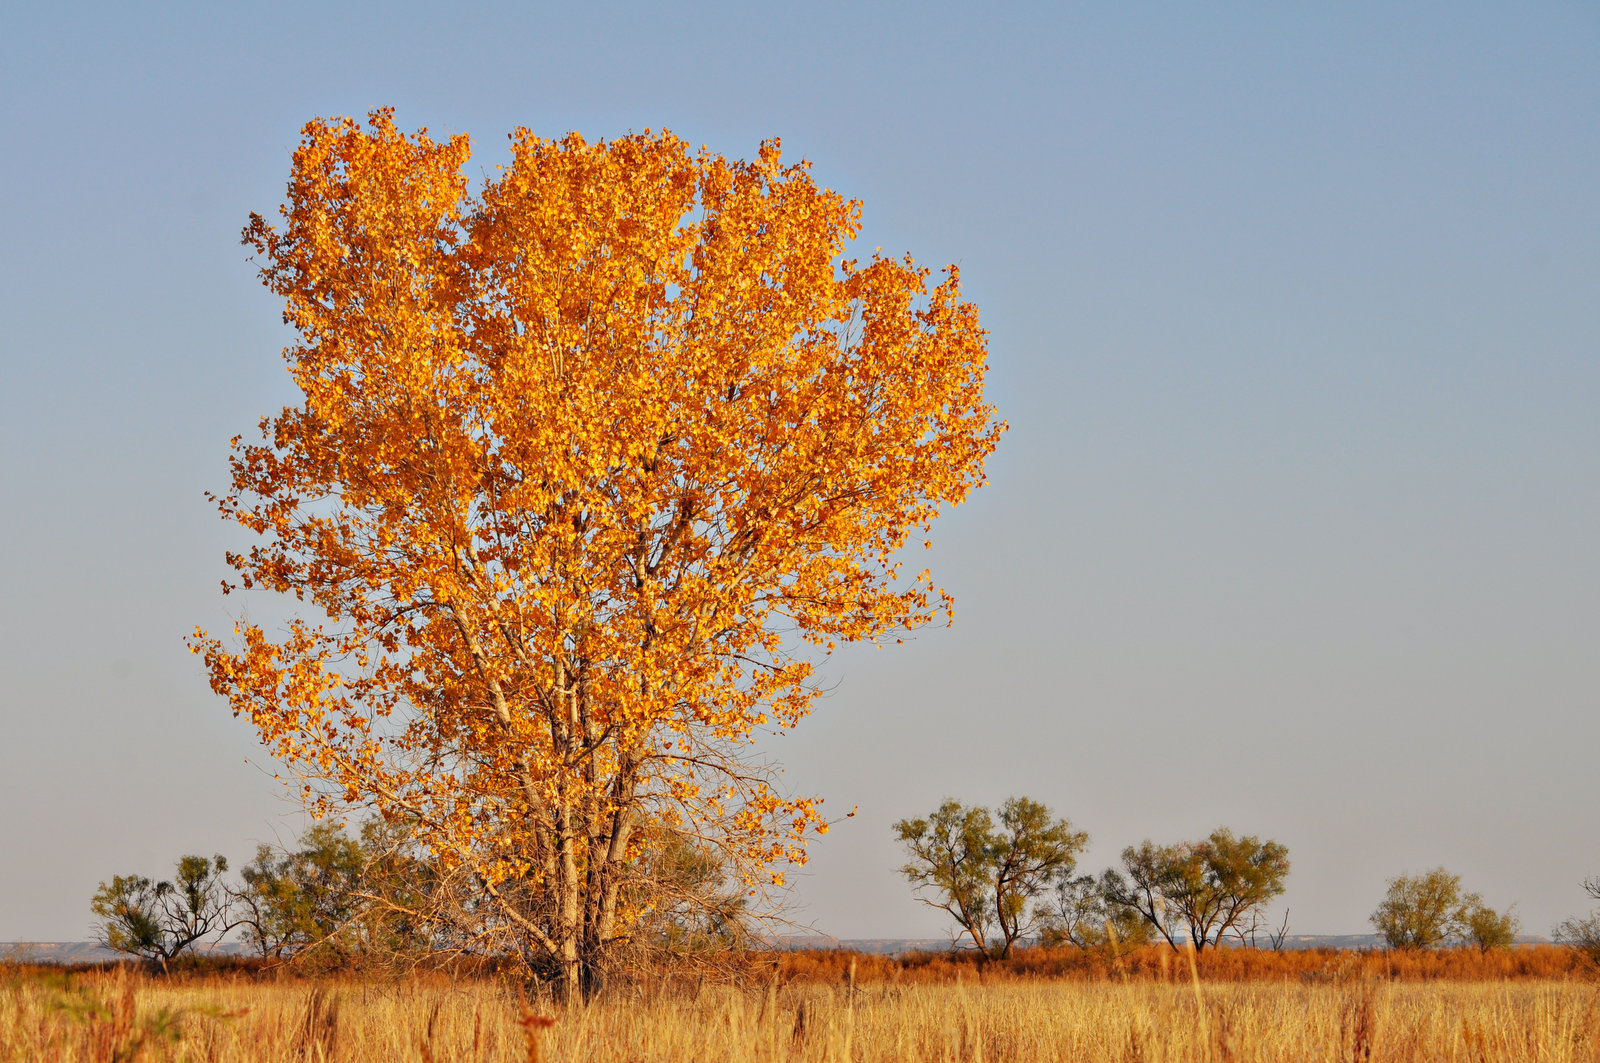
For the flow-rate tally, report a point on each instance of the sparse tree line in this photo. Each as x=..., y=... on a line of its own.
x=333, y=894
x=1012, y=875
x=374, y=898
x=1006, y=877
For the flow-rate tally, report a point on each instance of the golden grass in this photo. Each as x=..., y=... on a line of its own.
x=102, y=1016
x=1537, y=962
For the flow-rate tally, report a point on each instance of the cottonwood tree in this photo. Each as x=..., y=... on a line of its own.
x=588, y=463
x=986, y=872
x=161, y=920
x=1205, y=889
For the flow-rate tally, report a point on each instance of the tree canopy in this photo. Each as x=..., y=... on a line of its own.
x=1204, y=889
x=1424, y=911
x=161, y=920
x=590, y=463
x=986, y=874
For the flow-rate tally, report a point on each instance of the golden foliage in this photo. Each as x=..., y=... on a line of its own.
x=586, y=460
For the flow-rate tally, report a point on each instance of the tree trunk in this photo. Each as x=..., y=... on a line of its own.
x=569, y=928
x=608, y=847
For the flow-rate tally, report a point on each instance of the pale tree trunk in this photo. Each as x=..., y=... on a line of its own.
x=570, y=979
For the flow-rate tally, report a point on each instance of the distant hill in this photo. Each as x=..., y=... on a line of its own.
x=892, y=946
x=825, y=942
x=71, y=952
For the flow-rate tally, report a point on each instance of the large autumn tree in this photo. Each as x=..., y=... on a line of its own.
x=593, y=461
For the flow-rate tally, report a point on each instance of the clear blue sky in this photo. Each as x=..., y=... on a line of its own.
x=1295, y=315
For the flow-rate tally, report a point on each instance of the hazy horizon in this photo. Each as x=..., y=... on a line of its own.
x=1293, y=316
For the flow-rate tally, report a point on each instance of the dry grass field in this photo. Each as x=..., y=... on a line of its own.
x=1341, y=1014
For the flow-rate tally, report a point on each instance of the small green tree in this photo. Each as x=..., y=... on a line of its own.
x=950, y=860
x=1031, y=849
x=1420, y=911
x=291, y=901
x=160, y=920
x=130, y=916
x=1486, y=928
x=987, y=874
x=1078, y=911
x=1203, y=889
x=371, y=898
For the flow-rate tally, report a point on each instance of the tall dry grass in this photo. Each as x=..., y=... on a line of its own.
x=1542, y=962
x=108, y=1015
